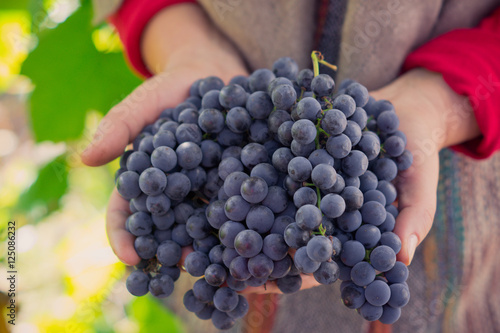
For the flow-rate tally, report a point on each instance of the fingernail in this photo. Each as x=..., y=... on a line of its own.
x=412, y=246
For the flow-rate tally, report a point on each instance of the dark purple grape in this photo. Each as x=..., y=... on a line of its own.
x=322, y=85
x=161, y=286
x=138, y=283
x=289, y=284
x=232, y=95
x=127, y=184
x=248, y=243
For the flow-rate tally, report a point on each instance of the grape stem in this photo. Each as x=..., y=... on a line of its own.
x=318, y=58
x=321, y=231
x=319, y=196
x=367, y=255
x=319, y=131
x=315, y=60
x=302, y=90
x=321, y=228
x=197, y=197
x=328, y=103
x=322, y=131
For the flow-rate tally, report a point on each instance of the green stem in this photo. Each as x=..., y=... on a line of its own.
x=382, y=149
x=322, y=229
x=319, y=197
x=322, y=131
x=315, y=60
x=367, y=255
x=319, y=131
x=321, y=61
x=302, y=90
x=328, y=104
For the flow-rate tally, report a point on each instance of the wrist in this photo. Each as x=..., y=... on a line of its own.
x=182, y=35
x=423, y=98
x=452, y=111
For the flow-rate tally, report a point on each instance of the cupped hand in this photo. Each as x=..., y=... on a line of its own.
x=424, y=104
x=417, y=185
x=433, y=117
x=179, y=45
x=125, y=121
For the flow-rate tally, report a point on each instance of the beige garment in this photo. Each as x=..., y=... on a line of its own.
x=376, y=36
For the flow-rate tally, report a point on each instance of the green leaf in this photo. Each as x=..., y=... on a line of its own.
x=14, y=4
x=48, y=188
x=152, y=316
x=72, y=77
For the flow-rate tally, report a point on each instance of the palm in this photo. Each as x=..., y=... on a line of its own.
x=123, y=123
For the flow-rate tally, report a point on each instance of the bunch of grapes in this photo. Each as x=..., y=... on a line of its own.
x=269, y=178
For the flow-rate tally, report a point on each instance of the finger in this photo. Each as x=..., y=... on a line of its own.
x=121, y=241
x=185, y=251
x=417, y=204
x=125, y=120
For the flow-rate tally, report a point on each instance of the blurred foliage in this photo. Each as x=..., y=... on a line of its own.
x=15, y=4
x=75, y=68
x=50, y=185
x=152, y=316
x=71, y=280
x=14, y=27
x=71, y=77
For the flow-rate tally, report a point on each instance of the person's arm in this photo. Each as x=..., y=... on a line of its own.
x=425, y=105
x=449, y=97
x=180, y=45
x=469, y=62
x=192, y=41
x=130, y=20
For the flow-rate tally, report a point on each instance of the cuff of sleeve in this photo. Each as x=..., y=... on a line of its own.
x=130, y=21
x=469, y=62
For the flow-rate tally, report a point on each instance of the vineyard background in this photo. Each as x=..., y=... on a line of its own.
x=59, y=74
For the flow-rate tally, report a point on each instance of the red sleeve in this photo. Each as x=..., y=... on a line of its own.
x=469, y=60
x=130, y=21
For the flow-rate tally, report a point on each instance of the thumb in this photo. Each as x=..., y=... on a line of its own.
x=417, y=189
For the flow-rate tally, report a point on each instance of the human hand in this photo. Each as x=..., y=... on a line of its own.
x=177, y=61
x=433, y=117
